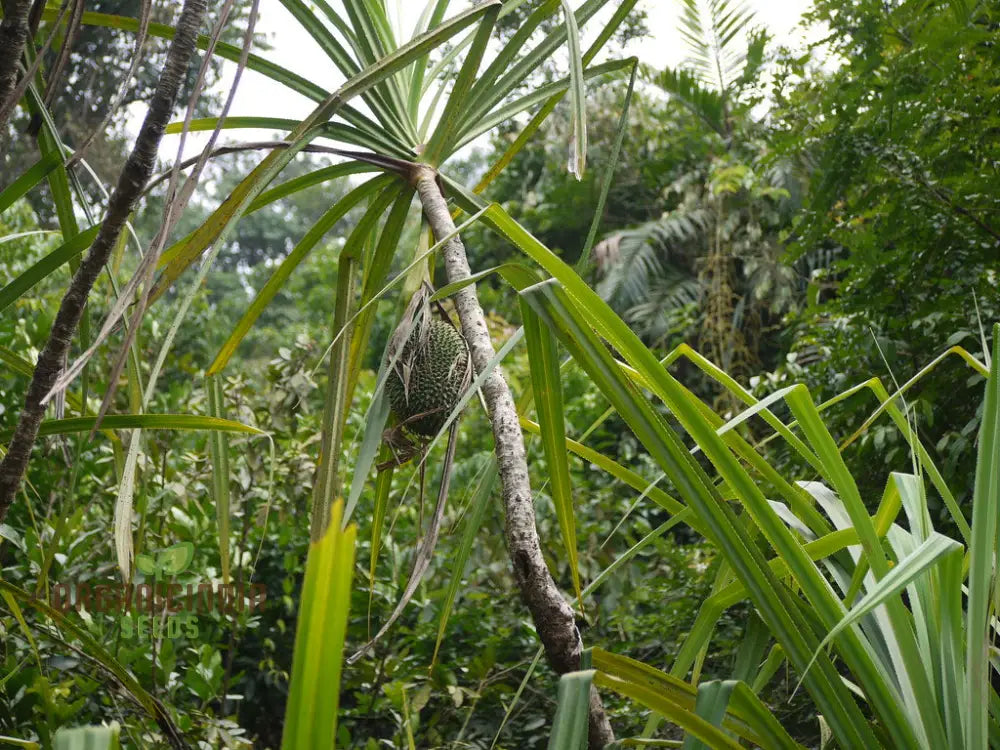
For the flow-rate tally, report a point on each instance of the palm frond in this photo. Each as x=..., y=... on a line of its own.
x=711, y=29
x=657, y=249
x=685, y=86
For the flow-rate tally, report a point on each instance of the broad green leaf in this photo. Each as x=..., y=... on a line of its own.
x=569, y=727
x=145, y=564
x=314, y=690
x=175, y=559
x=88, y=738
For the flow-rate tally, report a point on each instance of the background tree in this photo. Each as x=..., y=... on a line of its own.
x=899, y=139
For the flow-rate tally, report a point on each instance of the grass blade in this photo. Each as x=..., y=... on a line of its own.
x=217, y=227
x=767, y=593
x=982, y=553
x=477, y=513
x=41, y=269
x=446, y=132
x=281, y=274
x=141, y=421
x=577, y=95
x=31, y=177
x=609, y=172
x=543, y=360
x=327, y=487
x=220, y=473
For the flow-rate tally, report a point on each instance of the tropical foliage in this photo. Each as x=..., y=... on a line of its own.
x=666, y=509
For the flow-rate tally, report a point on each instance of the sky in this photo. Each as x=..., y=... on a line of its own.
x=293, y=48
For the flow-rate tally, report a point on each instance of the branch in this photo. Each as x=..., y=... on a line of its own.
x=13, y=35
x=553, y=617
x=133, y=178
x=388, y=163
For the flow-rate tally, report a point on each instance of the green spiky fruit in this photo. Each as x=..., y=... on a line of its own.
x=427, y=379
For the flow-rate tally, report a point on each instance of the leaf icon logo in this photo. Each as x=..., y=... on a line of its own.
x=168, y=562
x=146, y=564
x=175, y=559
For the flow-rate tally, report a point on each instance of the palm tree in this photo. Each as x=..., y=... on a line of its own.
x=708, y=269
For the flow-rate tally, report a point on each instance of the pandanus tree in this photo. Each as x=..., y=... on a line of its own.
x=405, y=108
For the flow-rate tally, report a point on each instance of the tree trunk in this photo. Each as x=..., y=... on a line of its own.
x=552, y=615
x=13, y=35
x=134, y=176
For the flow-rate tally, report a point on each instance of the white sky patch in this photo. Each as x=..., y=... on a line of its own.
x=294, y=49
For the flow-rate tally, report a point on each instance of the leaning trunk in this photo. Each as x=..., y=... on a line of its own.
x=13, y=35
x=134, y=176
x=552, y=615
